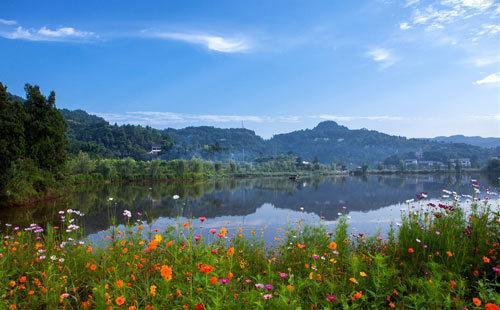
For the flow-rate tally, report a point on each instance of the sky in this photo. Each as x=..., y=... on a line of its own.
x=412, y=68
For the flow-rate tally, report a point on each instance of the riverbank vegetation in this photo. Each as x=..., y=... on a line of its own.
x=440, y=256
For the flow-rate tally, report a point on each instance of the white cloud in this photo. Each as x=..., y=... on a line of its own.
x=212, y=42
x=46, y=34
x=168, y=118
x=493, y=78
x=405, y=26
x=490, y=29
x=382, y=56
x=411, y=2
x=481, y=62
x=478, y=4
x=352, y=118
x=7, y=22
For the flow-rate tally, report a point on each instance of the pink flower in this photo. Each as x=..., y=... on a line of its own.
x=331, y=298
x=315, y=256
x=197, y=237
x=213, y=231
x=202, y=219
x=268, y=296
x=259, y=285
x=283, y=275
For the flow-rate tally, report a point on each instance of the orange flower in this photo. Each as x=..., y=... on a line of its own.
x=230, y=251
x=491, y=307
x=23, y=279
x=132, y=308
x=358, y=294
x=166, y=272
x=476, y=301
x=486, y=259
x=12, y=307
x=476, y=273
x=213, y=280
x=332, y=245
x=31, y=292
x=230, y=275
x=125, y=250
x=449, y=253
x=206, y=268
x=223, y=232
x=152, y=290
x=410, y=250
x=185, y=225
x=119, y=283
x=363, y=274
x=12, y=283
x=120, y=300
x=169, y=243
x=301, y=245
x=289, y=287
x=93, y=267
x=140, y=227
x=453, y=283
x=353, y=280
x=89, y=249
x=392, y=305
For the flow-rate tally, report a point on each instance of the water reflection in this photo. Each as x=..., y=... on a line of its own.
x=248, y=203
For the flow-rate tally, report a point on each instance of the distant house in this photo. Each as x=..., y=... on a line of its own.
x=430, y=164
x=410, y=162
x=155, y=149
x=464, y=162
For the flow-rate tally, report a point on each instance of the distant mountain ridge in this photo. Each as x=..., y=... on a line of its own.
x=489, y=142
x=326, y=142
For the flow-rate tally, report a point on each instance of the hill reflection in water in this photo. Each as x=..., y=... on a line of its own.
x=248, y=203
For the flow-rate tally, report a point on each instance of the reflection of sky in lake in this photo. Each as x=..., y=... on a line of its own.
x=251, y=204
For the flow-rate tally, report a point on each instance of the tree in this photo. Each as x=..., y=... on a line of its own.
x=12, y=143
x=44, y=129
x=493, y=166
x=458, y=166
x=402, y=165
x=380, y=166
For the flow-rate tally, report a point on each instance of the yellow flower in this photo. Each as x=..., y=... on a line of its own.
x=363, y=274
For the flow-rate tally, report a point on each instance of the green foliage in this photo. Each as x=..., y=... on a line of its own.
x=493, y=166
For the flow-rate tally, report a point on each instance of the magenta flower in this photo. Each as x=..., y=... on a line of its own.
x=224, y=281
x=331, y=298
x=269, y=287
x=315, y=256
x=259, y=285
x=283, y=275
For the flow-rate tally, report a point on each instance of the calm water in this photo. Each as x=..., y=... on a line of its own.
x=264, y=203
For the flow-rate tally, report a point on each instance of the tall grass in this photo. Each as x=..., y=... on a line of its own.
x=440, y=258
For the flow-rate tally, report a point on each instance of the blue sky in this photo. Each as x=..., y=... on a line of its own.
x=414, y=68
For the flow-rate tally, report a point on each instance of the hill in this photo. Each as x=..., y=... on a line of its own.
x=327, y=142
x=475, y=140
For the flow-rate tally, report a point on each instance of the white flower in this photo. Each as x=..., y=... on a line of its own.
x=127, y=213
x=53, y=257
x=110, y=198
x=175, y=197
x=61, y=259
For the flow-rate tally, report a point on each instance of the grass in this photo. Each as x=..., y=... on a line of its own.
x=441, y=257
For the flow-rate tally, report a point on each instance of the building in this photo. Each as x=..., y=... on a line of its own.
x=155, y=149
x=464, y=162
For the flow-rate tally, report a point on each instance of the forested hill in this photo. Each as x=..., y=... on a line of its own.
x=327, y=142
x=477, y=141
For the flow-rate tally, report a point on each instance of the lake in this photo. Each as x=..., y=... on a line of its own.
x=260, y=204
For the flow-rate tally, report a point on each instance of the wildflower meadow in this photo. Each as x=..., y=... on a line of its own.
x=440, y=256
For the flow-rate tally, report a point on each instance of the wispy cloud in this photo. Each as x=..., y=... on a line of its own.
x=7, y=22
x=382, y=56
x=404, y=26
x=493, y=78
x=353, y=118
x=212, y=42
x=46, y=34
x=169, y=118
